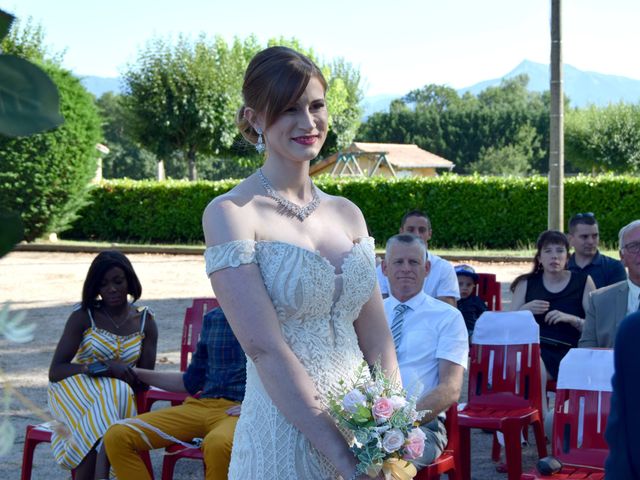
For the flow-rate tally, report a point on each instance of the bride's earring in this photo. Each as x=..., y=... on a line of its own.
x=260, y=147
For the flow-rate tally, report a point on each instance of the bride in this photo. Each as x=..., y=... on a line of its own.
x=294, y=272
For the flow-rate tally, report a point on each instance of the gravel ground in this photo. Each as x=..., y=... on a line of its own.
x=46, y=285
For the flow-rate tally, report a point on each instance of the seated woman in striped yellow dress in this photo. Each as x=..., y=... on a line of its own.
x=91, y=380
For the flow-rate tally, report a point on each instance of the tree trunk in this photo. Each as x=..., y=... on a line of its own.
x=191, y=157
x=161, y=173
x=98, y=176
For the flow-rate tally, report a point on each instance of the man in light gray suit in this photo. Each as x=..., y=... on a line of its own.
x=609, y=305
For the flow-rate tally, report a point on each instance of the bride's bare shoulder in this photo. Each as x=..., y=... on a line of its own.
x=229, y=216
x=348, y=212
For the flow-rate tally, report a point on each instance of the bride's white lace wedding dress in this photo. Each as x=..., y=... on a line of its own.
x=316, y=307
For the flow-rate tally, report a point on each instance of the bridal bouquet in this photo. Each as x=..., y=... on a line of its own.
x=384, y=424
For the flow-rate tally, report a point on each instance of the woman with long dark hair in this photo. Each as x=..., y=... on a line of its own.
x=556, y=296
x=91, y=381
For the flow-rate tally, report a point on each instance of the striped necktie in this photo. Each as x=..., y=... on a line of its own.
x=396, y=325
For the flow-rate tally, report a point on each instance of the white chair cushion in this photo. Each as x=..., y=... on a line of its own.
x=506, y=328
x=586, y=369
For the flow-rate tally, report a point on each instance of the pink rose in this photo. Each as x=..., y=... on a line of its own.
x=382, y=409
x=414, y=448
x=392, y=440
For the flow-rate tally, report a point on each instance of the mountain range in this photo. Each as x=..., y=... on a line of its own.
x=582, y=87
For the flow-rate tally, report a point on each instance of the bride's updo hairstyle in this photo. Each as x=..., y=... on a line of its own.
x=274, y=81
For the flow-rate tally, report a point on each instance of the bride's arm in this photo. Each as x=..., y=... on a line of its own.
x=248, y=308
x=374, y=336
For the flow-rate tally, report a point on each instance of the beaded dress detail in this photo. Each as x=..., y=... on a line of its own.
x=316, y=307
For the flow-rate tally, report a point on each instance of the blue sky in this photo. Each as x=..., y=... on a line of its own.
x=397, y=45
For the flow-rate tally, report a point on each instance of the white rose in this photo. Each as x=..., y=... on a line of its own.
x=352, y=400
x=393, y=440
x=398, y=402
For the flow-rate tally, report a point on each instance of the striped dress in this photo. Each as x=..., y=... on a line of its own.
x=87, y=406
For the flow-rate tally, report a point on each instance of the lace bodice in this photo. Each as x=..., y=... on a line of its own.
x=316, y=304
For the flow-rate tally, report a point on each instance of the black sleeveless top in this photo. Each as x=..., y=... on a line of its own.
x=568, y=300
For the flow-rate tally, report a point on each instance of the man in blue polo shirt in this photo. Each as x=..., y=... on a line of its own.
x=217, y=371
x=584, y=237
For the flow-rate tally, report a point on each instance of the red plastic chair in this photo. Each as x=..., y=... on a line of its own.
x=580, y=418
x=504, y=386
x=191, y=329
x=490, y=290
x=190, y=334
x=173, y=453
x=449, y=461
x=36, y=434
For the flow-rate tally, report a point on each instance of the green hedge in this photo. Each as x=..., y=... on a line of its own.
x=488, y=212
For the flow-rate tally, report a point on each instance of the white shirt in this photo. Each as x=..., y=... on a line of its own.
x=632, y=300
x=442, y=280
x=431, y=330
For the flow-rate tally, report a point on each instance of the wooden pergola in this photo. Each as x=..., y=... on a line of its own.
x=386, y=159
x=348, y=161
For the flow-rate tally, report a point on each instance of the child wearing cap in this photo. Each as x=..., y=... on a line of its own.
x=470, y=305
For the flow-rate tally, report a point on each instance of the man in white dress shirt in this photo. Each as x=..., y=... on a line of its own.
x=442, y=282
x=430, y=336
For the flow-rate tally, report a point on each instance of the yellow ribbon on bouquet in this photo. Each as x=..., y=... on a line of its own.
x=398, y=469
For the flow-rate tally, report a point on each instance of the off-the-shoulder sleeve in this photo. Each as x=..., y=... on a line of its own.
x=368, y=242
x=230, y=254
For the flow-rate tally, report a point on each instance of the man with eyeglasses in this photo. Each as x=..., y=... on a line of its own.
x=442, y=282
x=584, y=237
x=609, y=305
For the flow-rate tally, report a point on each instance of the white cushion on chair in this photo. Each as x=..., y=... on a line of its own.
x=506, y=328
x=586, y=369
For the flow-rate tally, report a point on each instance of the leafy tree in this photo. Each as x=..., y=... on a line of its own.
x=125, y=158
x=26, y=39
x=46, y=176
x=180, y=96
x=343, y=100
x=603, y=139
x=512, y=159
x=222, y=168
x=464, y=129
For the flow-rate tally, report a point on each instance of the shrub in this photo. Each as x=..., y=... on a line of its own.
x=46, y=176
x=474, y=211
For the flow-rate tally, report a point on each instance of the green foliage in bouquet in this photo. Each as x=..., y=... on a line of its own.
x=382, y=420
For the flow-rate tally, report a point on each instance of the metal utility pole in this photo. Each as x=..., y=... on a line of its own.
x=556, y=125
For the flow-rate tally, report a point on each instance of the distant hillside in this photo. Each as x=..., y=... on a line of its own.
x=581, y=87
x=100, y=85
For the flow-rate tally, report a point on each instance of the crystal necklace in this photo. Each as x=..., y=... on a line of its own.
x=122, y=322
x=287, y=208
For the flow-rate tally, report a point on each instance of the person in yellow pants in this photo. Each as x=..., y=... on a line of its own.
x=217, y=371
